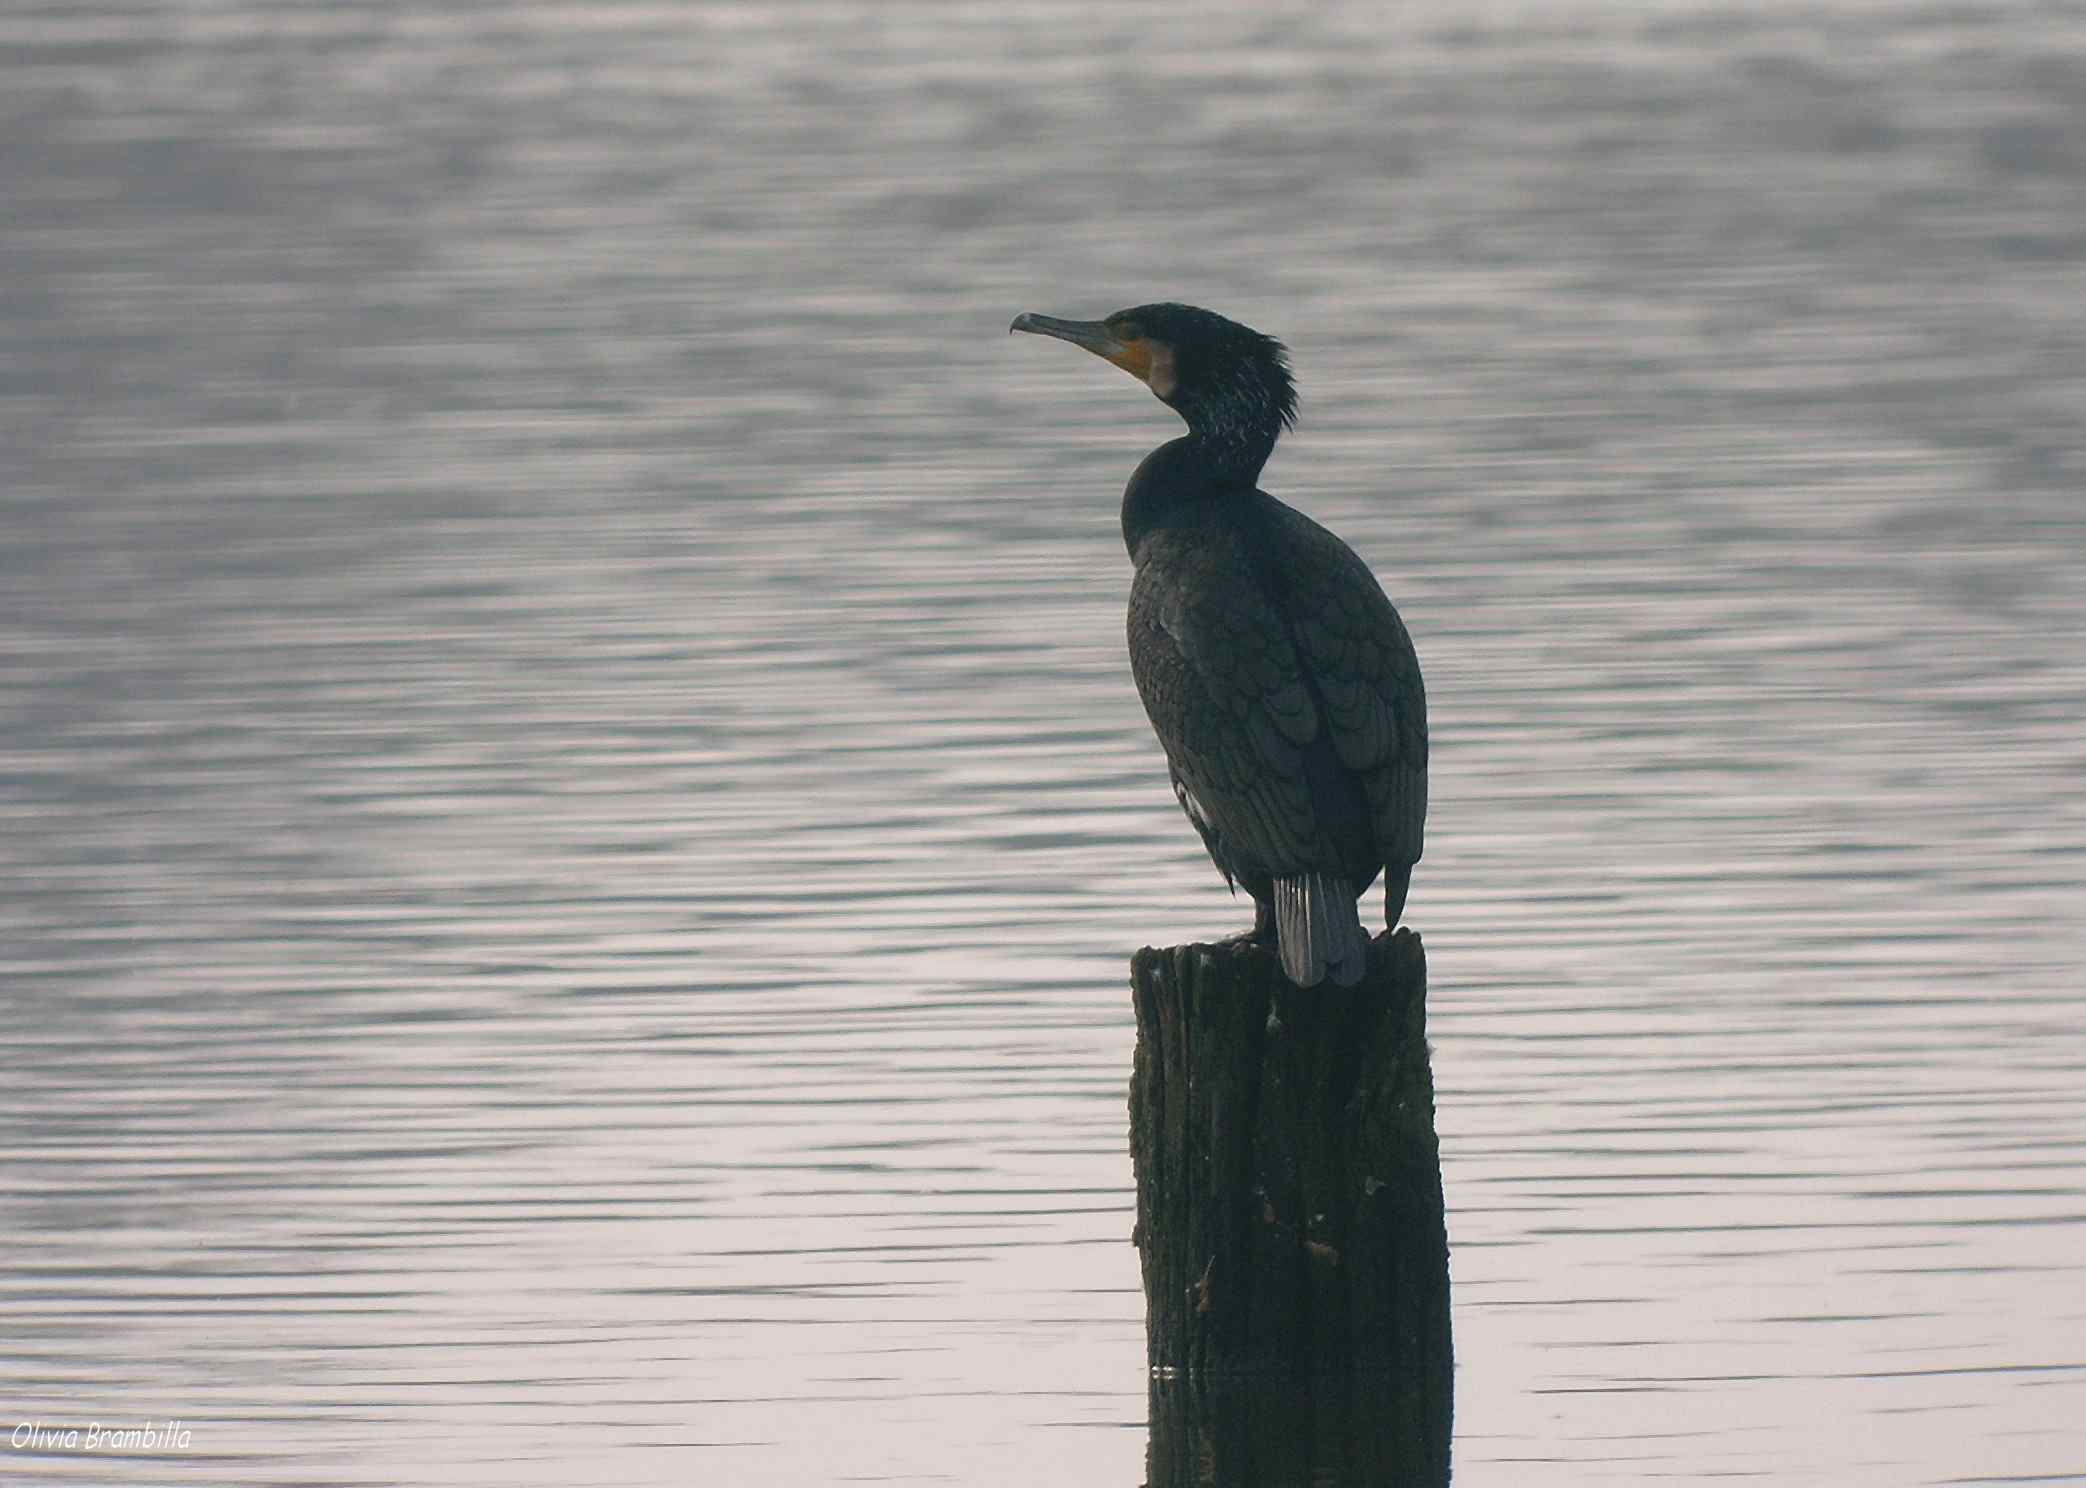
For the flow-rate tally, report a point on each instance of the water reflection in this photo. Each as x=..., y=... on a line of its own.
x=1358, y=1431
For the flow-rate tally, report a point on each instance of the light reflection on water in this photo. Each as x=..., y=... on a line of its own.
x=574, y=811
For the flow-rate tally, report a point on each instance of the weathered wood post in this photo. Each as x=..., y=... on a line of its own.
x=1289, y=1200
x=1355, y=1431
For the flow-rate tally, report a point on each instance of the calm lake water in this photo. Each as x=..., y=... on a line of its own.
x=573, y=812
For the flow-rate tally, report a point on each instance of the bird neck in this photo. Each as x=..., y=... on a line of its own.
x=1182, y=476
x=1232, y=442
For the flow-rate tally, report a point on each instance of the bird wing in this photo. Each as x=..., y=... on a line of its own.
x=1362, y=664
x=1224, y=689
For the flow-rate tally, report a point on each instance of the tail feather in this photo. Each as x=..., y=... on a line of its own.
x=1318, y=931
x=1396, y=881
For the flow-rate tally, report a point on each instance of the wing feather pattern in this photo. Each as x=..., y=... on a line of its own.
x=1283, y=687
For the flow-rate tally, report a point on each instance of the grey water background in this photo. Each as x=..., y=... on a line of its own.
x=572, y=809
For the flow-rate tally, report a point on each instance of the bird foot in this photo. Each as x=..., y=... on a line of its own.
x=1263, y=931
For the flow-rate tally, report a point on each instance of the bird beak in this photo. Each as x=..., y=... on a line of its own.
x=1134, y=357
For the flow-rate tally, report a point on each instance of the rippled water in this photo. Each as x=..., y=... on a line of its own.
x=574, y=814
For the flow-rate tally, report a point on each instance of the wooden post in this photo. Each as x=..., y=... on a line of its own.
x=1356, y=1431
x=1289, y=1203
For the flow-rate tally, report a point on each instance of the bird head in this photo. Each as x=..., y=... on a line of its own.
x=1229, y=382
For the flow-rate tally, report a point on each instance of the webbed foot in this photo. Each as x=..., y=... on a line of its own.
x=1263, y=931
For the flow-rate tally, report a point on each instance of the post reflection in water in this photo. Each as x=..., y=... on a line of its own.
x=1357, y=1431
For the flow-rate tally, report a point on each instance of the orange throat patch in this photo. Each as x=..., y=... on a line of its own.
x=1150, y=362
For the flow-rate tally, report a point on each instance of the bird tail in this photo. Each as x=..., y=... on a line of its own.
x=1318, y=930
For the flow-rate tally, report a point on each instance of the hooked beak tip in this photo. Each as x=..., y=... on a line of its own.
x=1094, y=335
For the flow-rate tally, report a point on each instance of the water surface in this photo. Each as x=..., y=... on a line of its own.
x=574, y=814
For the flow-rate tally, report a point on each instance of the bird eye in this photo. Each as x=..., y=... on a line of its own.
x=1128, y=330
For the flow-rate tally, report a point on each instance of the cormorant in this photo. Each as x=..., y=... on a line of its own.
x=1277, y=676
